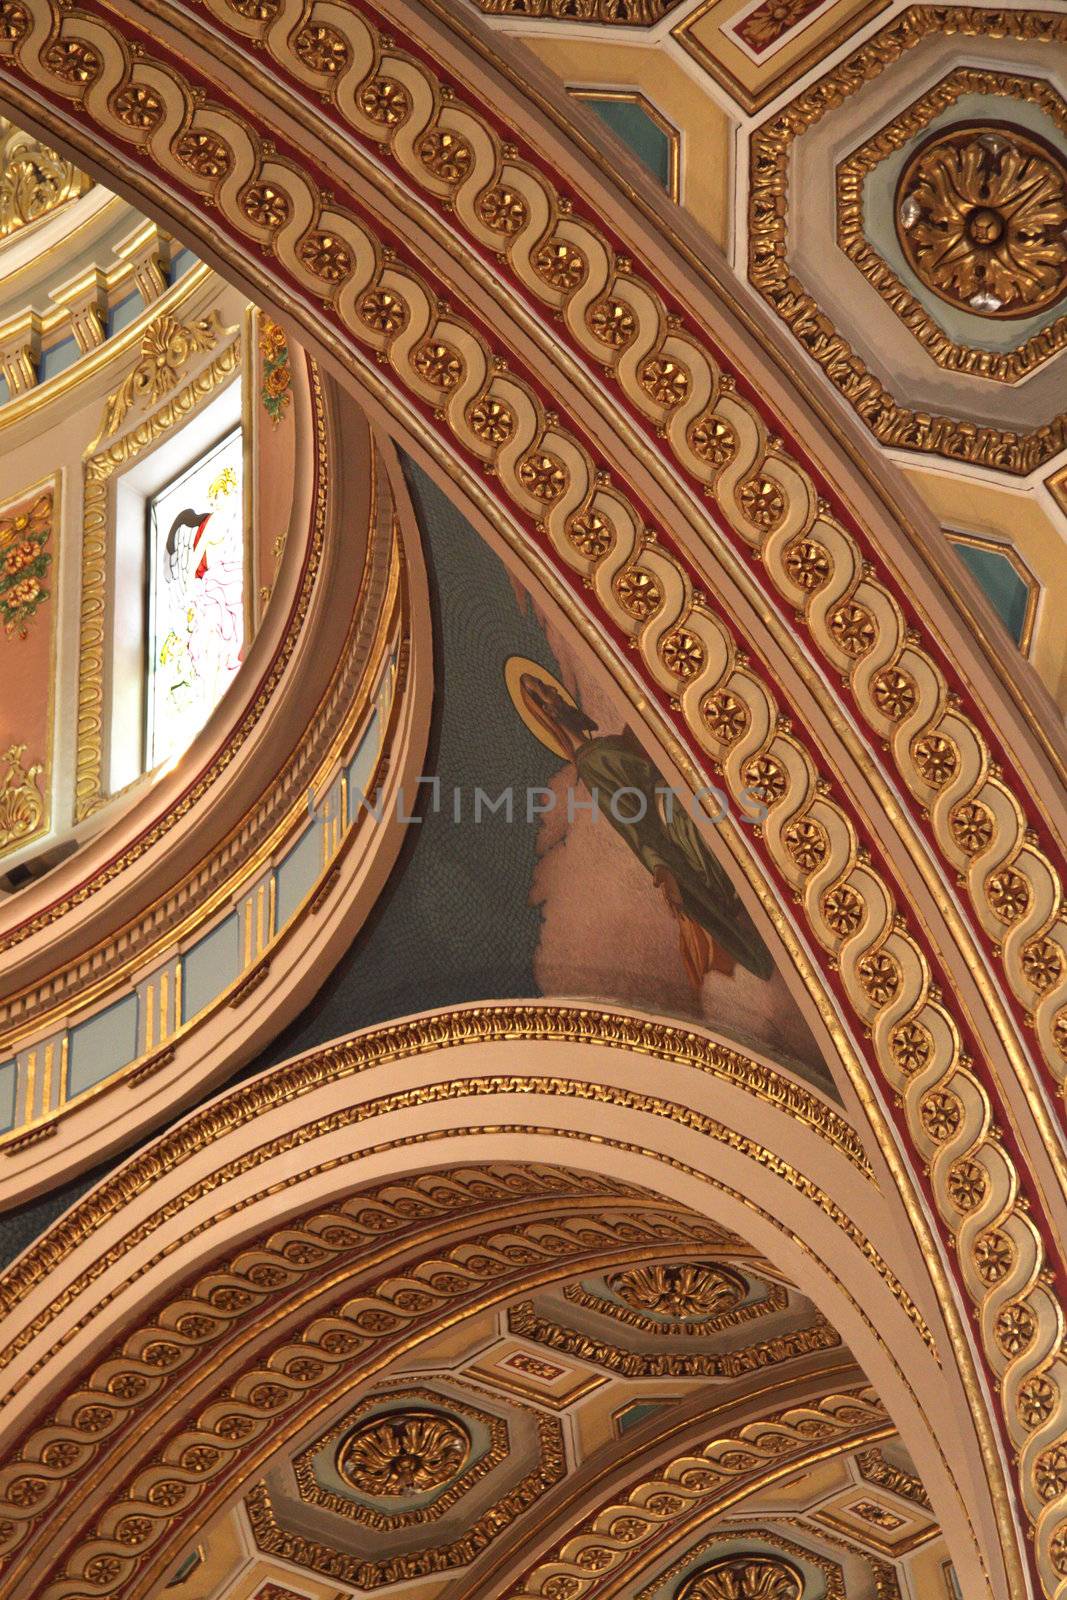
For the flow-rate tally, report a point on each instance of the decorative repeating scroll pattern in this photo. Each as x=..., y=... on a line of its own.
x=189, y=1454
x=398, y=1042
x=690, y=1485
x=636, y=581
x=767, y=499
x=628, y=13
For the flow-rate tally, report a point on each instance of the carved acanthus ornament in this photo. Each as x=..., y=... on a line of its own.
x=21, y=802
x=34, y=181
x=166, y=349
x=874, y=1467
x=403, y=1452
x=748, y=1577
x=981, y=213
x=686, y=1292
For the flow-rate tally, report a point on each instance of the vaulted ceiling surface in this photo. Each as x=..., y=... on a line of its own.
x=438, y=378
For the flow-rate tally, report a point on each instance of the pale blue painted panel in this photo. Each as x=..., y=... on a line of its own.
x=210, y=966
x=633, y=125
x=182, y=263
x=361, y=766
x=102, y=1045
x=127, y=311
x=298, y=872
x=1003, y=586
x=8, y=1085
x=57, y=358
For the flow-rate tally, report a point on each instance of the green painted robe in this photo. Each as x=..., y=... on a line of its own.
x=667, y=836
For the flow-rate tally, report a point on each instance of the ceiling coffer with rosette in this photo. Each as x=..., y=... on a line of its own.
x=403, y=1452
x=685, y=1291
x=981, y=214
x=745, y=1577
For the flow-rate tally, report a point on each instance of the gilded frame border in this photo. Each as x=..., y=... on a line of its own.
x=52, y=483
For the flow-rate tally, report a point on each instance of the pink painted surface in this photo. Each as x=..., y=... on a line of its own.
x=26, y=639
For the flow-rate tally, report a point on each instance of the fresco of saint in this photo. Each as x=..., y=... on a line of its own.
x=715, y=932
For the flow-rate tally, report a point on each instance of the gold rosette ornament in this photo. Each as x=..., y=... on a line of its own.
x=403, y=1452
x=980, y=216
x=748, y=1577
x=687, y=1291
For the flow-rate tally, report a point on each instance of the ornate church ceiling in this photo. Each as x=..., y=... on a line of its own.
x=804, y=138
x=616, y=879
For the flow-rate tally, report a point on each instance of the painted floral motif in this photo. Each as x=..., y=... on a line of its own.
x=276, y=390
x=768, y=21
x=24, y=561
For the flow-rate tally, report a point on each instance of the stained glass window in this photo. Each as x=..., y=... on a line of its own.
x=195, y=596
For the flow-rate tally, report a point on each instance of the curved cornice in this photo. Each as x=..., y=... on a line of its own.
x=362, y=693
x=597, y=411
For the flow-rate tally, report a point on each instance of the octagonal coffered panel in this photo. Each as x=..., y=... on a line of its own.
x=397, y=1460
x=955, y=212
x=946, y=216
x=412, y=1479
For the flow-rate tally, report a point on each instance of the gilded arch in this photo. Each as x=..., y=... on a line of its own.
x=280, y=1187
x=604, y=486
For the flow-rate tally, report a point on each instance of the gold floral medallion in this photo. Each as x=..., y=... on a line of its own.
x=403, y=1452
x=687, y=1291
x=980, y=215
x=748, y=1577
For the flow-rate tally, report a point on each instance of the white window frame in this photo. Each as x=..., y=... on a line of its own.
x=128, y=627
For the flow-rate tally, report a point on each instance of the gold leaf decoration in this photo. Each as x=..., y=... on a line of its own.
x=21, y=802
x=748, y=1577
x=403, y=1452
x=981, y=215
x=34, y=180
x=167, y=346
x=680, y=1291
